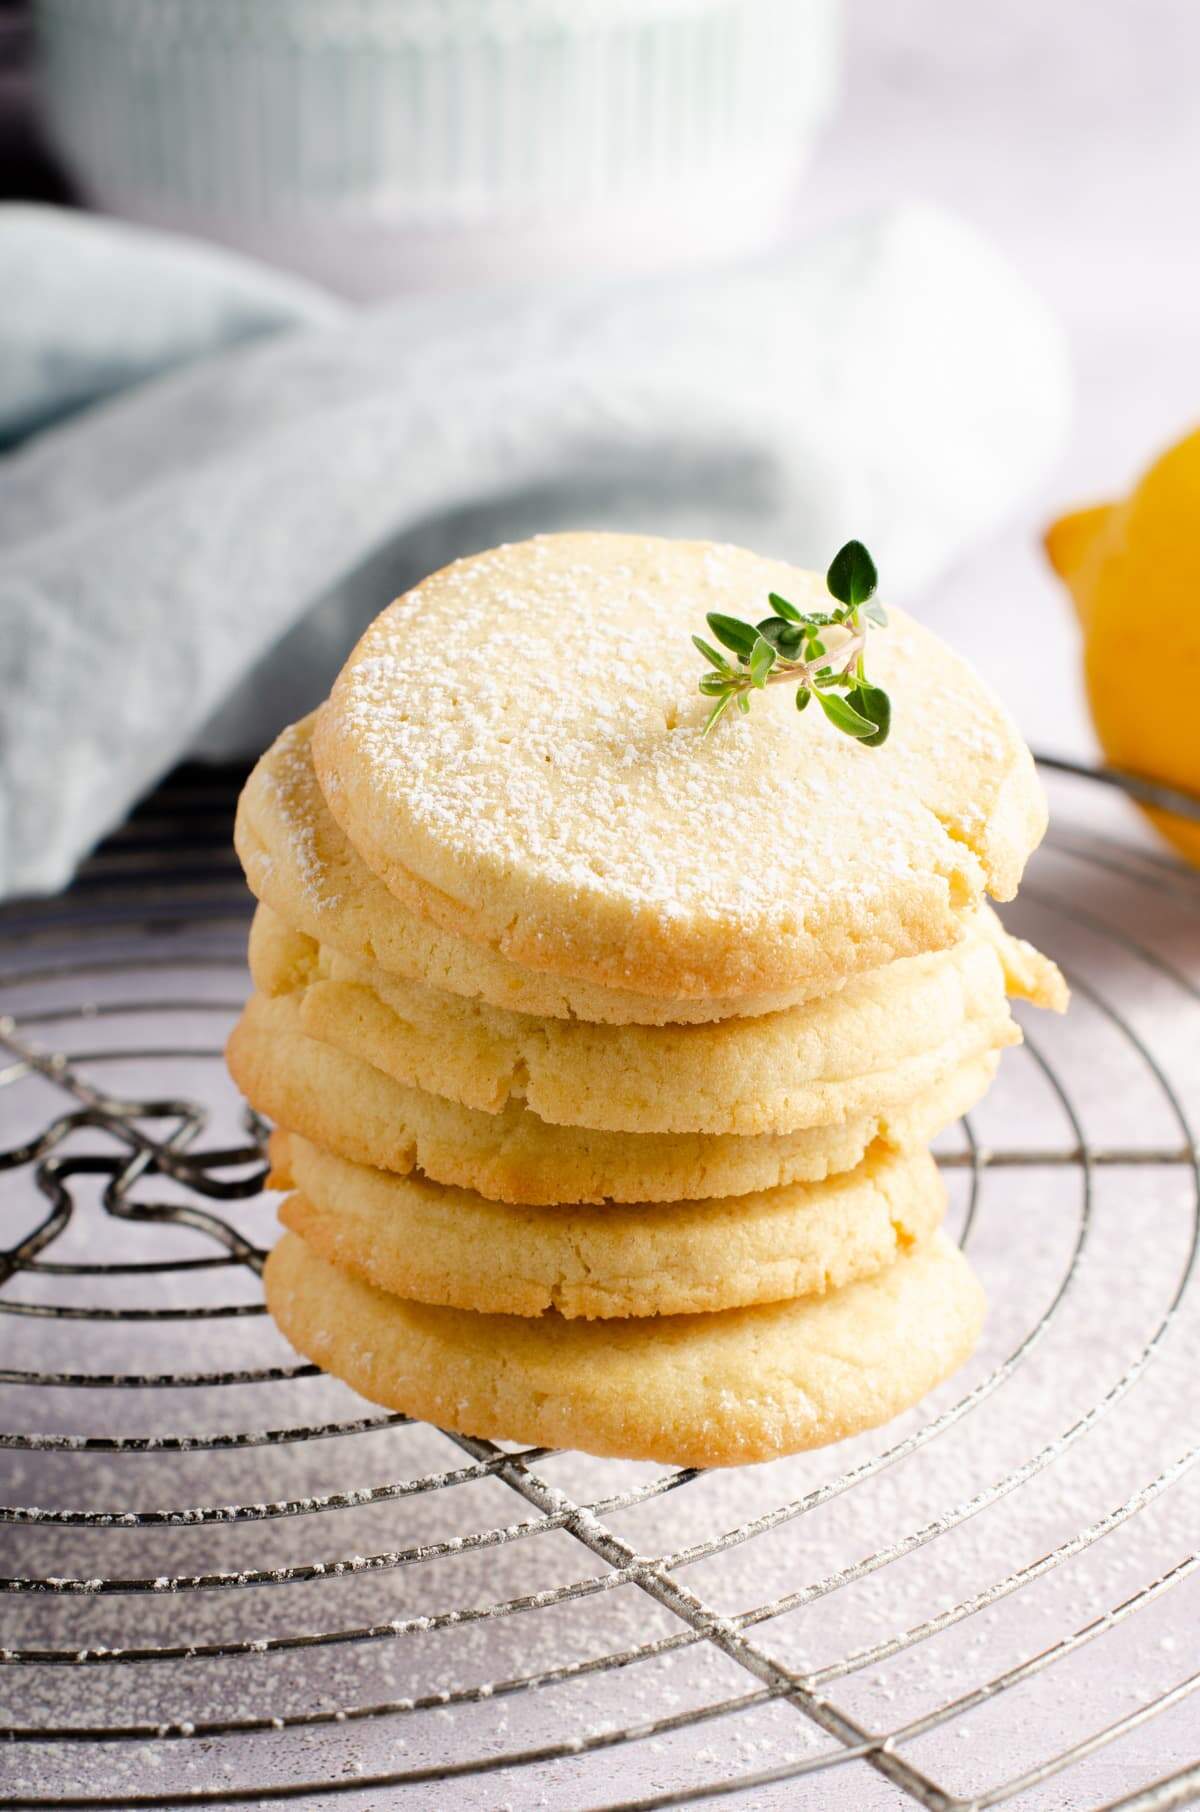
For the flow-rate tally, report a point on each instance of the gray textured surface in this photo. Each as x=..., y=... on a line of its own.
x=1074, y=1426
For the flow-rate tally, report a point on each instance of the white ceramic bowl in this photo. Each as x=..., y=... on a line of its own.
x=374, y=143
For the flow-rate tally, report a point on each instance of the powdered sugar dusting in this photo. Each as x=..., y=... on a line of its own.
x=290, y=783
x=531, y=717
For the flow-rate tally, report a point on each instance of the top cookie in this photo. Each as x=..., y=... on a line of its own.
x=515, y=748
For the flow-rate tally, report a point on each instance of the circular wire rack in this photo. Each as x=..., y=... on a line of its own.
x=227, y=1581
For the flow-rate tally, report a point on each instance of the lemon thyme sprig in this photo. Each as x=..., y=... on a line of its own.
x=822, y=652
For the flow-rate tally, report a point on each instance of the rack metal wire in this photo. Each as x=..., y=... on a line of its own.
x=560, y=1630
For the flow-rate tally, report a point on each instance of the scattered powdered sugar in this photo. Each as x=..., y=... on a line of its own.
x=286, y=778
x=531, y=719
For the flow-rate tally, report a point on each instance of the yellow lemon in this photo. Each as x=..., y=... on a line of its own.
x=1133, y=570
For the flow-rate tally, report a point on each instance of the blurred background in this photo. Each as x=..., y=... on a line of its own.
x=343, y=288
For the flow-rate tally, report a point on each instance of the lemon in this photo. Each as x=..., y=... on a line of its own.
x=1133, y=570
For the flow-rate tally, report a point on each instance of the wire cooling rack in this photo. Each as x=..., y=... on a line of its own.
x=227, y=1581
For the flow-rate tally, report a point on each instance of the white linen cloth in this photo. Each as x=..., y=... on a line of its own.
x=184, y=565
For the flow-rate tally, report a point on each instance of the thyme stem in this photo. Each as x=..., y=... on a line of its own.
x=790, y=647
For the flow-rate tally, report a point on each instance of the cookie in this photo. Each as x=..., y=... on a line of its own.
x=883, y=1038
x=683, y=1390
x=299, y=861
x=515, y=747
x=353, y=1109
x=432, y=1244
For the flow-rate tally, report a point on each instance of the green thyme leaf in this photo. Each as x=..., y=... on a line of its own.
x=722, y=705
x=843, y=716
x=873, y=702
x=852, y=577
x=787, y=637
x=715, y=685
x=712, y=655
x=732, y=633
x=762, y=659
x=743, y=699
x=802, y=697
x=811, y=619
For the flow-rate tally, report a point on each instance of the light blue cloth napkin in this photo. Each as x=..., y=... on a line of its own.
x=92, y=306
x=184, y=566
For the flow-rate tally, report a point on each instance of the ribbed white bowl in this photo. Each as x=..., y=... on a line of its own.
x=423, y=138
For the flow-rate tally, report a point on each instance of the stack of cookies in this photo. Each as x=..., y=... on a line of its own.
x=604, y=1056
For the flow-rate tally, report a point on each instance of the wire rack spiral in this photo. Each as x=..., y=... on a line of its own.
x=226, y=1581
